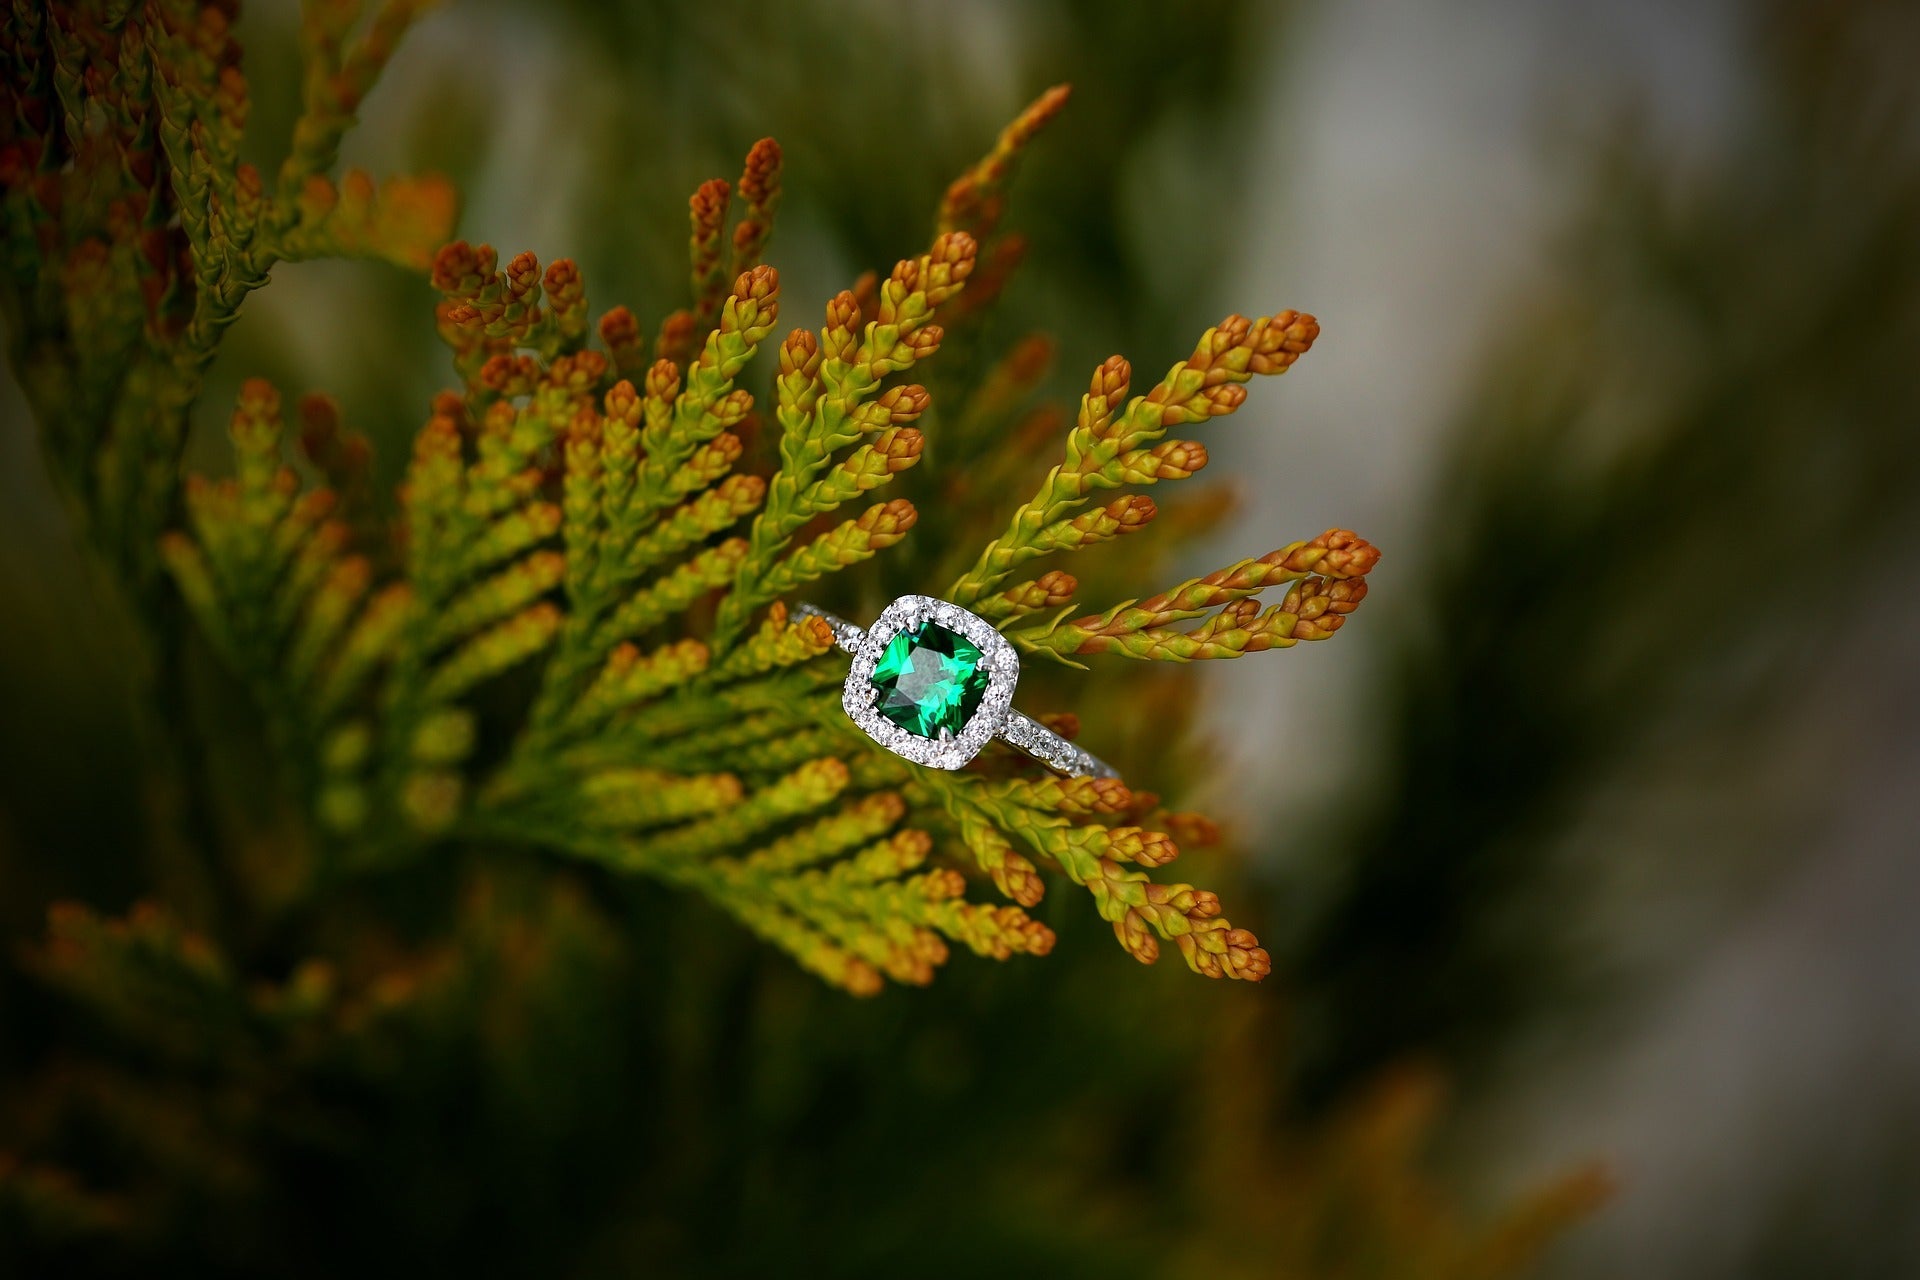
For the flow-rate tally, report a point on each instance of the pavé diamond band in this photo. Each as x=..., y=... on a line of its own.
x=933, y=683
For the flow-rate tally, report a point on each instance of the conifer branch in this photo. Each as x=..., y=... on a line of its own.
x=579, y=510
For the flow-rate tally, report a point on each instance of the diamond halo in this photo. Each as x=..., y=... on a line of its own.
x=997, y=658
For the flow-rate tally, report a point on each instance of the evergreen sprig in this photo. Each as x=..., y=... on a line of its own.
x=593, y=516
x=131, y=231
x=558, y=511
x=573, y=638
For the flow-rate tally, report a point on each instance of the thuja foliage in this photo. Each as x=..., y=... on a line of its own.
x=586, y=505
x=133, y=233
x=562, y=661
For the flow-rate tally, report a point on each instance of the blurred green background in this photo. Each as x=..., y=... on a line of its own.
x=1593, y=837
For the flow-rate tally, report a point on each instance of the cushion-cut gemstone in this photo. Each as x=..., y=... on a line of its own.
x=929, y=679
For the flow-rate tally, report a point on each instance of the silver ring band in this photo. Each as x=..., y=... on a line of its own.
x=1021, y=732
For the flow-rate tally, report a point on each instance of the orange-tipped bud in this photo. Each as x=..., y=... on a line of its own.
x=1049, y=591
x=623, y=403
x=1057, y=587
x=816, y=632
x=1282, y=339
x=899, y=446
x=731, y=408
x=904, y=404
x=620, y=331
x=258, y=399
x=1111, y=379
x=523, y=273
x=1337, y=553
x=1136, y=938
x=950, y=262
x=663, y=380
x=760, y=284
x=924, y=341
x=760, y=180
x=459, y=268
x=1132, y=512
x=888, y=522
x=1224, y=399
x=1147, y=848
x=707, y=207
x=678, y=334
x=1019, y=879
x=800, y=353
x=843, y=311
x=563, y=281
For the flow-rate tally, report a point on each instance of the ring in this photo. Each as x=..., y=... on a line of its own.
x=933, y=683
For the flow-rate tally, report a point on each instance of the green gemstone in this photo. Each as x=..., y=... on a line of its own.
x=929, y=679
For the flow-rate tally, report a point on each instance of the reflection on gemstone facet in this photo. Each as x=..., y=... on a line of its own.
x=929, y=681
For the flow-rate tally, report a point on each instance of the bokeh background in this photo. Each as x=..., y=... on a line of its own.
x=1595, y=836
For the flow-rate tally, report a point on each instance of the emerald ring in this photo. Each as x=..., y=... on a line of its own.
x=933, y=683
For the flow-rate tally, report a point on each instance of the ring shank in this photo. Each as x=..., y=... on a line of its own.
x=1022, y=733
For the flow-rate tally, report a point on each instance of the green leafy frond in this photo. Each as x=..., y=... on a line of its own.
x=829, y=397
x=1118, y=443
x=587, y=513
x=133, y=232
x=1328, y=584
